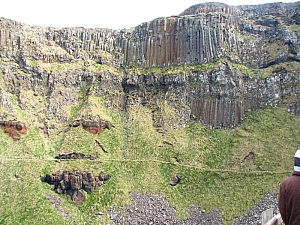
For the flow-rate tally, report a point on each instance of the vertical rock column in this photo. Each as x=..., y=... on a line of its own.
x=177, y=40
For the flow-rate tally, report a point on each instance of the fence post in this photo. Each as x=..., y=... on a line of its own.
x=276, y=220
x=266, y=216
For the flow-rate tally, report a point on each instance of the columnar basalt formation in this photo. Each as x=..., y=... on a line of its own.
x=179, y=40
x=74, y=182
x=202, y=33
x=62, y=65
x=220, y=98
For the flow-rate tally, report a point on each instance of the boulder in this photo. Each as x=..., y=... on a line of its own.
x=14, y=128
x=174, y=180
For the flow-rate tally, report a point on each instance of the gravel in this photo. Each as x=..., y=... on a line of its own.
x=57, y=202
x=253, y=216
x=147, y=208
x=154, y=209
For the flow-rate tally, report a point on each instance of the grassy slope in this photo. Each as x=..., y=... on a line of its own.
x=140, y=159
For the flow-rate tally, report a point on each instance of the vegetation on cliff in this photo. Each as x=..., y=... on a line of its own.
x=218, y=106
x=210, y=162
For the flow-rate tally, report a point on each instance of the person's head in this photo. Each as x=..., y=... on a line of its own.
x=297, y=161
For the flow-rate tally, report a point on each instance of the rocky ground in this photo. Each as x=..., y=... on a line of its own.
x=253, y=216
x=148, y=208
x=154, y=209
x=57, y=202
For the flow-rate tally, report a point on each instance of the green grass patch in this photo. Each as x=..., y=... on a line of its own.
x=178, y=69
x=68, y=67
x=140, y=159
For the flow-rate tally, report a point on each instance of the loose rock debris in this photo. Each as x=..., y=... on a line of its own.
x=57, y=202
x=74, y=183
x=148, y=208
x=248, y=157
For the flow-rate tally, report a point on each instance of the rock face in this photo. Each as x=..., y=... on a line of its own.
x=220, y=98
x=69, y=66
x=181, y=40
x=200, y=34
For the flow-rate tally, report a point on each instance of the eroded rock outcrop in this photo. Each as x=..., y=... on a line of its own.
x=74, y=182
x=14, y=128
x=94, y=127
x=74, y=155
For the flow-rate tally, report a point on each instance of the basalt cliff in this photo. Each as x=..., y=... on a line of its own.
x=202, y=107
x=211, y=63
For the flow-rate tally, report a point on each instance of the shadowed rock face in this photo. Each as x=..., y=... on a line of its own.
x=13, y=129
x=221, y=98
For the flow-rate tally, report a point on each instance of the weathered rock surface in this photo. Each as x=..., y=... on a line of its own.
x=175, y=180
x=74, y=155
x=200, y=34
x=61, y=70
x=96, y=127
x=220, y=98
x=75, y=182
x=14, y=128
x=256, y=36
